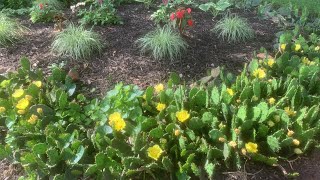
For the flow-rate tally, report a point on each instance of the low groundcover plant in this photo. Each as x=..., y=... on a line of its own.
x=268, y=112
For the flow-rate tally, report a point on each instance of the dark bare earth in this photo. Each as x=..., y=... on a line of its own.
x=121, y=61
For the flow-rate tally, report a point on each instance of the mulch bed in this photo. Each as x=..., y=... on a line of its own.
x=121, y=61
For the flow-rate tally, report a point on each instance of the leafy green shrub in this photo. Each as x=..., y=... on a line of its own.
x=233, y=29
x=45, y=10
x=76, y=42
x=215, y=7
x=10, y=30
x=97, y=13
x=162, y=43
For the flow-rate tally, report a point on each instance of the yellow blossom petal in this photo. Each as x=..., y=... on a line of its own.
x=154, y=152
x=297, y=47
x=21, y=111
x=37, y=83
x=23, y=104
x=251, y=147
x=158, y=88
x=230, y=92
x=39, y=110
x=290, y=133
x=18, y=93
x=28, y=97
x=296, y=142
x=271, y=101
x=270, y=62
x=232, y=144
x=182, y=115
x=161, y=107
x=116, y=121
x=283, y=47
x=289, y=111
x=259, y=73
x=33, y=119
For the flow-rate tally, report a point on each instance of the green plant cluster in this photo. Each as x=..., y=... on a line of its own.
x=268, y=112
x=99, y=13
x=45, y=10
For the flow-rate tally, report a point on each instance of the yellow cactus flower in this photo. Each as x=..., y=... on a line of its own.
x=289, y=111
x=290, y=133
x=154, y=152
x=39, y=110
x=271, y=62
x=177, y=132
x=116, y=121
x=33, y=119
x=317, y=48
x=21, y=112
x=222, y=139
x=119, y=125
x=2, y=109
x=18, y=93
x=232, y=144
x=259, y=73
x=283, y=47
x=238, y=101
x=230, y=91
x=158, y=88
x=37, y=83
x=182, y=115
x=161, y=107
x=144, y=96
x=297, y=47
x=271, y=101
x=28, y=97
x=23, y=104
x=251, y=147
x=305, y=60
x=296, y=142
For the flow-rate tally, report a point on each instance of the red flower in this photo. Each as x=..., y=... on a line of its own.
x=41, y=6
x=180, y=14
x=189, y=10
x=172, y=16
x=165, y=2
x=190, y=22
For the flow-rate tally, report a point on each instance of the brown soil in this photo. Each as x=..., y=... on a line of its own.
x=122, y=61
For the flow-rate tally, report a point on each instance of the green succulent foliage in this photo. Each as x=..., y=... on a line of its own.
x=11, y=31
x=77, y=42
x=162, y=43
x=233, y=28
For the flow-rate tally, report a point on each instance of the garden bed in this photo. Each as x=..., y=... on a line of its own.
x=121, y=59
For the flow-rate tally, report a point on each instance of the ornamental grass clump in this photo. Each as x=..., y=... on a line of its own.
x=10, y=31
x=162, y=43
x=77, y=43
x=233, y=29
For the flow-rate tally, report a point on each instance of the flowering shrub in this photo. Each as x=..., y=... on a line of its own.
x=44, y=10
x=182, y=18
x=268, y=112
x=99, y=12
